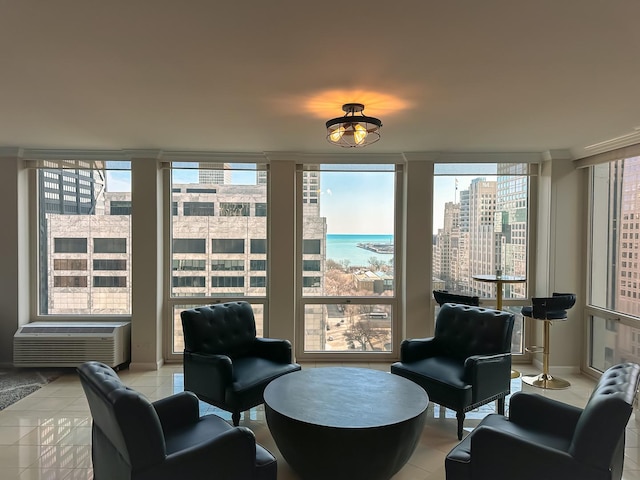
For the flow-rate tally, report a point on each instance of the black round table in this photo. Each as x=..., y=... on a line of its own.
x=345, y=423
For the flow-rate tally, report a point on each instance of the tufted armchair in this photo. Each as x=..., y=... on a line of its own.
x=467, y=363
x=135, y=439
x=544, y=438
x=225, y=364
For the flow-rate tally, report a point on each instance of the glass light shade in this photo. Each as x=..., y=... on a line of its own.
x=337, y=134
x=359, y=134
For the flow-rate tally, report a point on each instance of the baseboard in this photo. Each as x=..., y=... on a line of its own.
x=557, y=370
x=146, y=366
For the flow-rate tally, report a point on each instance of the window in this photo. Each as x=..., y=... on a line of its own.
x=311, y=247
x=70, y=245
x=234, y=209
x=227, y=245
x=480, y=225
x=228, y=265
x=188, y=281
x=109, y=264
x=258, y=265
x=109, y=245
x=612, y=284
x=258, y=281
x=258, y=245
x=188, y=265
x=198, y=209
x=221, y=239
x=261, y=209
x=62, y=281
x=83, y=211
x=120, y=207
x=189, y=245
x=309, y=282
x=311, y=265
x=69, y=264
x=109, y=281
x=227, y=282
x=348, y=248
x=200, y=190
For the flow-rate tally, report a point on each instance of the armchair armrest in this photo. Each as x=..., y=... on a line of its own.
x=530, y=410
x=414, y=349
x=177, y=410
x=209, y=375
x=489, y=374
x=229, y=455
x=501, y=455
x=275, y=349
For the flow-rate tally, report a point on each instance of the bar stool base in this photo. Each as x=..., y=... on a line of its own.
x=546, y=381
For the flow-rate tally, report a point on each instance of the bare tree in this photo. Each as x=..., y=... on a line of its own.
x=363, y=333
x=375, y=264
x=333, y=265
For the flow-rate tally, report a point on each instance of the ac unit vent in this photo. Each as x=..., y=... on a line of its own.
x=48, y=344
x=67, y=329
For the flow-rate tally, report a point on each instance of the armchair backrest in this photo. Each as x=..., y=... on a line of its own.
x=464, y=330
x=602, y=423
x=126, y=418
x=221, y=329
x=443, y=296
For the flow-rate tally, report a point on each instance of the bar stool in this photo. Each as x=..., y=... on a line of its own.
x=443, y=296
x=547, y=309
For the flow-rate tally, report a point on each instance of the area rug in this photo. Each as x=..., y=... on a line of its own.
x=16, y=384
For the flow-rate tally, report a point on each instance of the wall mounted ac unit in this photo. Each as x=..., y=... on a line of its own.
x=69, y=344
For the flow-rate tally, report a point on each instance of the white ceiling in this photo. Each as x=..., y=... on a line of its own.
x=254, y=76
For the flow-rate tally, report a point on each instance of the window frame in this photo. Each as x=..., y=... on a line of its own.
x=302, y=246
x=170, y=208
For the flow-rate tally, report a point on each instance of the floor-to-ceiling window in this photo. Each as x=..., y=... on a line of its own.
x=613, y=309
x=84, y=238
x=480, y=226
x=218, y=245
x=348, y=246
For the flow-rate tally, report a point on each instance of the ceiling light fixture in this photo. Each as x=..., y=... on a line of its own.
x=353, y=130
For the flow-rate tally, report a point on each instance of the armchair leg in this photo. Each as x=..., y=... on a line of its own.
x=460, y=417
x=235, y=418
x=501, y=403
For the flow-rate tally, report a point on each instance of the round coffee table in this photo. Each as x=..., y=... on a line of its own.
x=345, y=423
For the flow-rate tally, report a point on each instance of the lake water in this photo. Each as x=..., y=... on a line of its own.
x=344, y=247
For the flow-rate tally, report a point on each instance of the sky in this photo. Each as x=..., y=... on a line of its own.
x=353, y=202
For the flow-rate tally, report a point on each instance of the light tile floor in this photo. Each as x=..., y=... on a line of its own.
x=47, y=435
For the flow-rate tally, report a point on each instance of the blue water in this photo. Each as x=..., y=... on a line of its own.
x=344, y=247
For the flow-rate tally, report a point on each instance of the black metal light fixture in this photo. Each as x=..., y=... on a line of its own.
x=353, y=130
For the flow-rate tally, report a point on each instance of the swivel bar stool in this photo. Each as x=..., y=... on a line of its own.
x=547, y=309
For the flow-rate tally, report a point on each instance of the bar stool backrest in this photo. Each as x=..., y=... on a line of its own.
x=443, y=296
x=552, y=308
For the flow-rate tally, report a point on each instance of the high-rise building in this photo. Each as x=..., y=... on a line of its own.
x=214, y=172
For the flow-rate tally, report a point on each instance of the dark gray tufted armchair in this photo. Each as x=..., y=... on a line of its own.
x=546, y=439
x=225, y=364
x=135, y=439
x=467, y=363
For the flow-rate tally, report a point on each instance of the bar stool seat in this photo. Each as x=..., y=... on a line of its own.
x=547, y=309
